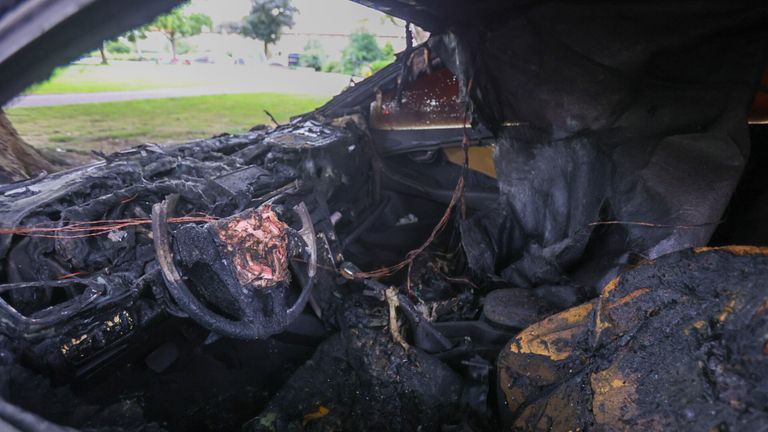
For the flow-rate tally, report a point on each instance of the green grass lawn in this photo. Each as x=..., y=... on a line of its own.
x=133, y=76
x=112, y=126
x=122, y=76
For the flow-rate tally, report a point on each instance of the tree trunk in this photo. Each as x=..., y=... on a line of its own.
x=266, y=49
x=104, y=60
x=173, y=49
x=137, y=49
x=18, y=160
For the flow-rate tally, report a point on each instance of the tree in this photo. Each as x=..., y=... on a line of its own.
x=116, y=46
x=313, y=55
x=18, y=160
x=388, y=52
x=361, y=52
x=176, y=25
x=104, y=60
x=387, y=57
x=133, y=36
x=267, y=20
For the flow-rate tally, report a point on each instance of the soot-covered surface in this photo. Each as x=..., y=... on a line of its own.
x=678, y=343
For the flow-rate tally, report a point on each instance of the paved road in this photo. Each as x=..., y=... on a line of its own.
x=289, y=81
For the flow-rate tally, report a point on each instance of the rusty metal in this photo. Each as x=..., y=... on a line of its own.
x=429, y=102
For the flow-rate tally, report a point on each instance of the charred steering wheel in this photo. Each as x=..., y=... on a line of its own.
x=248, y=257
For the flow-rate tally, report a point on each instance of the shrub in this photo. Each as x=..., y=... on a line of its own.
x=117, y=47
x=360, y=53
x=380, y=64
x=313, y=55
x=333, y=67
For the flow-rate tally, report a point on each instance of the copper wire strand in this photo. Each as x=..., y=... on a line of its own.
x=653, y=225
x=97, y=228
x=411, y=256
x=82, y=229
x=456, y=198
x=71, y=275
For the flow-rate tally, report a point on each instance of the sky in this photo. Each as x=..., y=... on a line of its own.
x=315, y=16
x=328, y=22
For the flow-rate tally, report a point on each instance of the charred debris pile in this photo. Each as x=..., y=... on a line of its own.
x=495, y=232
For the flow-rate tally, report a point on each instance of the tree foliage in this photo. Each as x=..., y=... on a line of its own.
x=388, y=56
x=267, y=20
x=388, y=52
x=332, y=67
x=230, y=27
x=117, y=47
x=362, y=51
x=313, y=56
x=176, y=25
x=134, y=36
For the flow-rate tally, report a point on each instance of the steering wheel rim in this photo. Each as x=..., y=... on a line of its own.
x=248, y=326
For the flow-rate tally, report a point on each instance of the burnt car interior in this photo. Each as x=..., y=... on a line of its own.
x=549, y=216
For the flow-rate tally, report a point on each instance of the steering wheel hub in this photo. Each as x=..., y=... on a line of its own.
x=233, y=275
